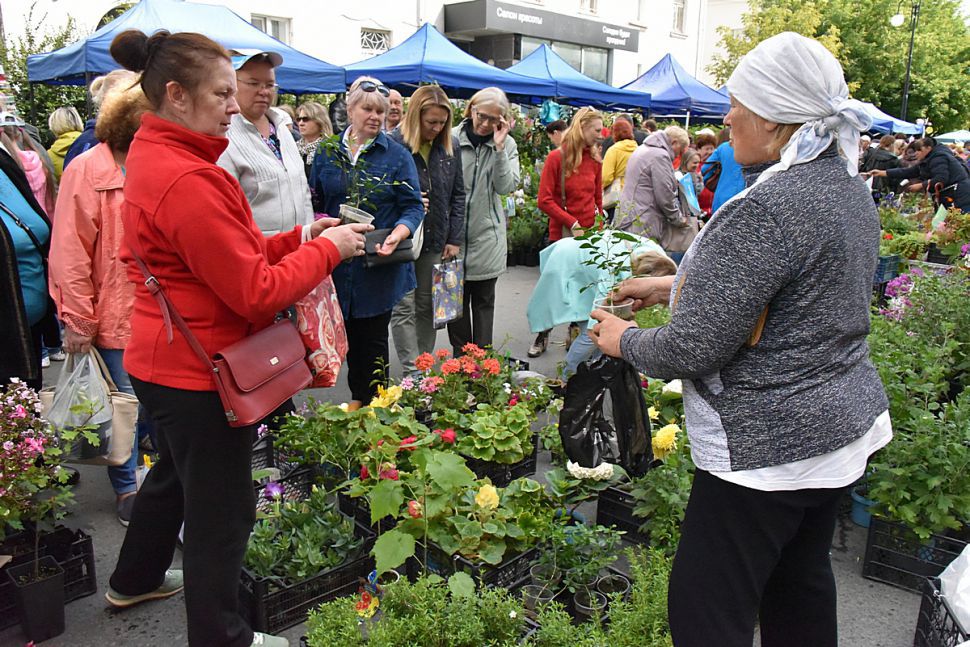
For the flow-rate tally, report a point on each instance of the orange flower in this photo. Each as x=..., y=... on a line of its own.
x=492, y=366
x=424, y=362
x=473, y=350
x=449, y=366
x=468, y=365
x=442, y=354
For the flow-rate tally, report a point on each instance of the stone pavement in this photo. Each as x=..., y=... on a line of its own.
x=870, y=614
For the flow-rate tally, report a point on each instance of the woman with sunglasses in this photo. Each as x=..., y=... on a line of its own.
x=490, y=166
x=386, y=184
x=315, y=126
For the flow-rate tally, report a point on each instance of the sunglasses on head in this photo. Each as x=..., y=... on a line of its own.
x=370, y=86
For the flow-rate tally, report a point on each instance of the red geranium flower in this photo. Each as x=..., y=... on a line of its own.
x=442, y=354
x=446, y=435
x=424, y=362
x=474, y=350
x=450, y=366
x=492, y=366
x=390, y=474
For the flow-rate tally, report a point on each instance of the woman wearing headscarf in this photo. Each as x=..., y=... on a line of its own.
x=770, y=312
x=490, y=168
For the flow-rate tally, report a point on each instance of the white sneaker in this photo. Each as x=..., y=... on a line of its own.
x=58, y=355
x=45, y=362
x=266, y=640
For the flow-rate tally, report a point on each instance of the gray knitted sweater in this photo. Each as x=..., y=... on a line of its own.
x=804, y=244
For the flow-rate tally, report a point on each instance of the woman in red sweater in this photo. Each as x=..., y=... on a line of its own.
x=574, y=165
x=189, y=220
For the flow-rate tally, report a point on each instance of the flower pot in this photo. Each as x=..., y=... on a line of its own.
x=623, y=310
x=613, y=583
x=545, y=575
x=350, y=215
x=588, y=604
x=531, y=258
x=390, y=577
x=861, y=516
x=40, y=603
x=535, y=596
x=511, y=260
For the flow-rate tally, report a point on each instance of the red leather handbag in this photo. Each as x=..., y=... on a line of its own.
x=253, y=376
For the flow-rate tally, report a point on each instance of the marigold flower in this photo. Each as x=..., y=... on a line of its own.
x=442, y=354
x=487, y=497
x=450, y=366
x=491, y=366
x=474, y=350
x=424, y=362
x=665, y=441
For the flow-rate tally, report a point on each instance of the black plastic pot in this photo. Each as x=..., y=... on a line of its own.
x=511, y=260
x=40, y=603
x=531, y=258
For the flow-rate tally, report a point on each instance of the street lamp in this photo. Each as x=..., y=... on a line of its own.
x=897, y=21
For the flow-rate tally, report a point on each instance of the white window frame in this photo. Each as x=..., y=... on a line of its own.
x=376, y=32
x=589, y=6
x=679, y=22
x=266, y=24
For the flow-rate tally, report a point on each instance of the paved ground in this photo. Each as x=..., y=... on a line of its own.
x=871, y=614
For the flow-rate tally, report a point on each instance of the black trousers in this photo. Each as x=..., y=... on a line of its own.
x=368, y=357
x=478, y=315
x=203, y=476
x=747, y=553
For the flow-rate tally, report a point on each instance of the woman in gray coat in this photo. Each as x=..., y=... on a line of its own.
x=490, y=165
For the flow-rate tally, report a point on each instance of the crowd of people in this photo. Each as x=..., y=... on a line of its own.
x=191, y=177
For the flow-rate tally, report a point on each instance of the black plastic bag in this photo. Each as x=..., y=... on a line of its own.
x=604, y=417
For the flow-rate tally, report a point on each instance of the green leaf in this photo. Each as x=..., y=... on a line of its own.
x=385, y=499
x=392, y=549
x=493, y=552
x=461, y=585
x=448, y=470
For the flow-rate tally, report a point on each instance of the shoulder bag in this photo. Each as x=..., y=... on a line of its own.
x=712, y=176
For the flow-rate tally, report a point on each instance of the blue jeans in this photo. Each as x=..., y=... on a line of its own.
x=122, y=477
x=581, y=350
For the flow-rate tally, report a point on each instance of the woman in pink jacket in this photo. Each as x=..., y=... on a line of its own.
x=88, y=281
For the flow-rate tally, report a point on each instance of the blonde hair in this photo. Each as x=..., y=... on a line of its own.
x=103, y=84
x=65, y=120
x=573, y=144
x=316, y=112
x=677, y=135
x=355, y=95
x=120, y=116
x=899, y=147
x=488, y=97
x=427, y=96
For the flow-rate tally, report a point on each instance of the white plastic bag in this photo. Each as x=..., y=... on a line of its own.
x=81, y=396
x=955, y=586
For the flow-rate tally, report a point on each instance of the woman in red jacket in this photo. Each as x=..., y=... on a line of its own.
x=190, y=222
x=571, y=191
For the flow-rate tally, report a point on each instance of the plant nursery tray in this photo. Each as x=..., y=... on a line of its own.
x=266, y=455
x=937, y=626
x=505, y=575
x=271, y=606
x=297, y=486
x=886, y=269
x=74, y=552
x=501, y=474
x=896, y=556
x=615, y=508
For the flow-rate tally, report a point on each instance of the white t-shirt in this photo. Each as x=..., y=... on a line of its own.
x=833, y=470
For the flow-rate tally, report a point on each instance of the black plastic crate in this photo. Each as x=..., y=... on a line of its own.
x=615, y=508
x=296, y=487
x=505, y=575
x=271, y=606
x=886, y=269
x=73, y=550
x=266, y=455
x=937, y=626
x=501, y=474
x=896, y=556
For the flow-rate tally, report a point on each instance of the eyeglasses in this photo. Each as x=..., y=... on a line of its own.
x=370, y=86
x=303, y=119
x=256, y=85
x=488, y=119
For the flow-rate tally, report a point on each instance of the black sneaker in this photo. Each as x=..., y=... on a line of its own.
x=540, y=344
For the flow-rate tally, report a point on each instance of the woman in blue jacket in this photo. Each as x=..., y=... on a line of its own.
x=730, y=182
x=391, y=194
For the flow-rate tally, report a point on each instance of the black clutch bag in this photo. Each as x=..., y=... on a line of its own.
x=403, y=254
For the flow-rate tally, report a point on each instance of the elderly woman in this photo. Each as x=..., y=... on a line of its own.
x=490, y=165
x=387, y=186
x=783, y=404
x=262, y=154
x=314, y=124
x=66, y=126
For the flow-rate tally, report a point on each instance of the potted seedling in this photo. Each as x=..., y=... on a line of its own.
x=360, y=184
x=608, y=252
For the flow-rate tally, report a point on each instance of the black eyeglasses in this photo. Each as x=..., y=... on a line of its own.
x=370, y=86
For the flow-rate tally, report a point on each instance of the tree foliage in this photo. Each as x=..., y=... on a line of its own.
x=872, y=52
x=13, y=57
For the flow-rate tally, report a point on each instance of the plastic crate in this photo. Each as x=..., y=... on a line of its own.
x=271, y=606
x=502, y=474
x=615, y=508
x=267, y=456
x=937, y=626
x=887, y=269
x=73, y=550
x=296, y=487
x=896, y=556
x=511, y=571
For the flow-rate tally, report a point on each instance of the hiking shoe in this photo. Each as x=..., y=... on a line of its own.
x=573, y=334
x=265, y=640
x=125, y=506
x=540, y=344
x=57, y=355
x=172, y=584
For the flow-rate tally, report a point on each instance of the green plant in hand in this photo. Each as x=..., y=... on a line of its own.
x=363, y=188
x=608, y=252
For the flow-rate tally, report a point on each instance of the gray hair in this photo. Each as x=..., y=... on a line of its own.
x=677, y=135
x=103, y=84
x=355, y=95
x=488, y=97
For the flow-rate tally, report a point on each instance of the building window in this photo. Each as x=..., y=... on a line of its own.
x=588, y=6
x=596, y=63
x=278, y=28
x=642, y=11
x=680, y=16
x=374, y=41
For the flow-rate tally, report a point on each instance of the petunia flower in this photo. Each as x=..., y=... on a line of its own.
x=273, y=490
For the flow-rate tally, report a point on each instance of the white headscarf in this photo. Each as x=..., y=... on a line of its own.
x=791, y=79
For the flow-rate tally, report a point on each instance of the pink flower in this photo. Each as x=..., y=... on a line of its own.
x=407, y=444
x=446, y=435
x=19, y=412
x=364, y=473
x=390, y=474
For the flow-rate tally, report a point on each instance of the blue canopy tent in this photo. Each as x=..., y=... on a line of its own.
x=675, y=93
x=78, y=62
x=953, y=137
x=883, y=123
x=575, y=88
x=428, y=57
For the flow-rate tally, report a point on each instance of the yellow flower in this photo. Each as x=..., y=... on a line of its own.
x=386, y=397
x=654, y=414
x=665, y=441
x=487, y=497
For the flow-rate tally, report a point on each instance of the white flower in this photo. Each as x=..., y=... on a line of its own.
x=602, y=472
x=513, y=614
x=15, y=380
x=674, y=387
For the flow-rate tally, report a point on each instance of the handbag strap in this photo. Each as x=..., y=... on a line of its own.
x=30, y=234
x=562, y=179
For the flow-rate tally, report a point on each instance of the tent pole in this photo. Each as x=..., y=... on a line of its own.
x=33, y=104
x=687, y=120
x=88, y=104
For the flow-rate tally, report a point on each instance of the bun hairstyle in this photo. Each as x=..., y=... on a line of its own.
x=186, y=58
